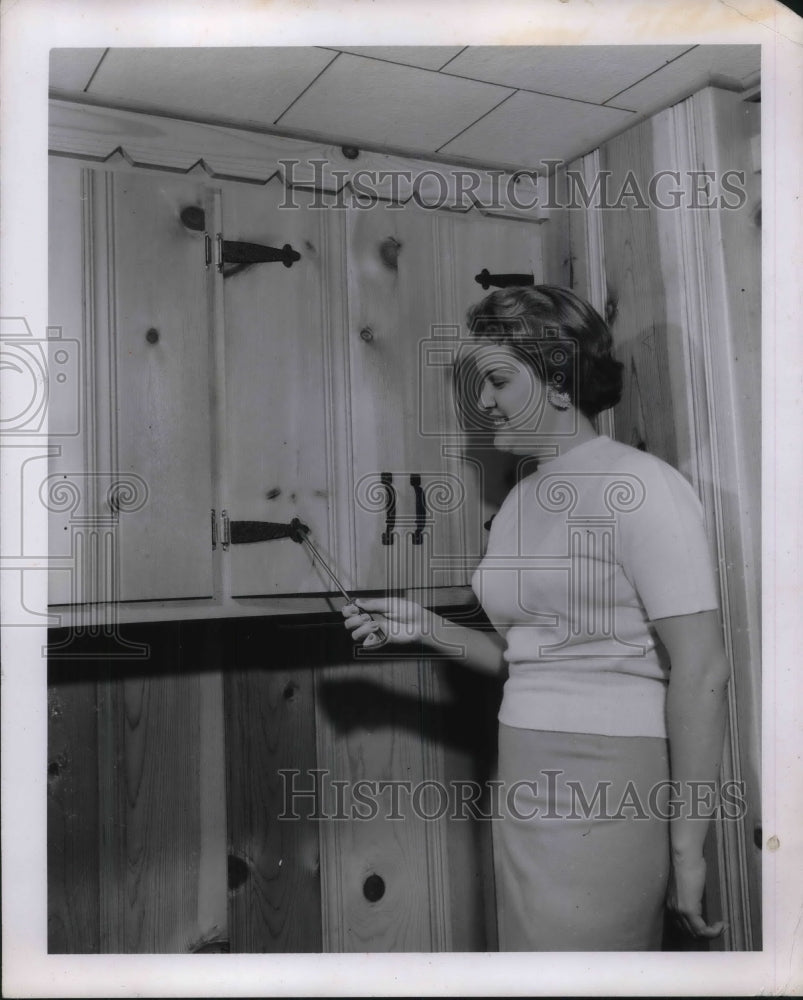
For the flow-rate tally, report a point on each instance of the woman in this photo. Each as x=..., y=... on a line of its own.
x=598, y=580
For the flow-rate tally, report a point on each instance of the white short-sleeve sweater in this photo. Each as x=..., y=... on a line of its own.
x=582, y=556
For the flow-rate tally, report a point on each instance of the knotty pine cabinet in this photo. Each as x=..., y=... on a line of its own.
x=265, y=392
x=130, y=484
x=261, y=392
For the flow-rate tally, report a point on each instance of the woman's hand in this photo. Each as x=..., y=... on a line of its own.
x=685, y=897
x=402, y=621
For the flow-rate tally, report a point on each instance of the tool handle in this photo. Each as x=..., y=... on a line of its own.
x=374, y=638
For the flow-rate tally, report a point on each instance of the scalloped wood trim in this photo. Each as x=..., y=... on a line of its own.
x=99, y=133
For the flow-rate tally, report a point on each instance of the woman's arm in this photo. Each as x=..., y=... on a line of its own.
x=407, y=623
x=696, y=707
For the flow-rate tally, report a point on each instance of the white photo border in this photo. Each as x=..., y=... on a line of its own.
x=29, y=29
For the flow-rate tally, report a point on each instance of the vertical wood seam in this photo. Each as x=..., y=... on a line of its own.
x=112, y=323
x=435, y=830
x=327, y=368
x=89, y=373
x=344, y=546
x=216, y=333
x=595, y=264
x=111, y=783
x=444, y=279
x=111, y=805
x=687, y=119
x=86, y=586
x=330, y=842
x=346, y=312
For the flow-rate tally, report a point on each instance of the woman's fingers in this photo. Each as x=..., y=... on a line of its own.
x=691, y=922
x=398, y=619
x=697, y=927
x=358, y=621
x=364, y=630
x=685, y=899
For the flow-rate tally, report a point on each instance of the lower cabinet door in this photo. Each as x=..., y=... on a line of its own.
x=136, y=800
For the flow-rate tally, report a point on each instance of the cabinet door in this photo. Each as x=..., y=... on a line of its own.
x=410, y=280
x=129, y=288
x=160, y=338
x=400, y=407
x=276, y=463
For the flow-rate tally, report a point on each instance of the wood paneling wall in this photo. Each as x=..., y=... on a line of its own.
x=682, y=295
x=637, y=289
x=73, y=836
x=137, y=850
x=274, y=863
x=166, y=797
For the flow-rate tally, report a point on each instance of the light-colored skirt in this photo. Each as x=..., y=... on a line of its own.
x=581, y=858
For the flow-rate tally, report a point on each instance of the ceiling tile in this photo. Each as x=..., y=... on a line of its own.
x=376, y=102
x=690, y=72
x=583, y=72
x=423, y=56
x=240, y=84
x=531, y=127
x=71, y=69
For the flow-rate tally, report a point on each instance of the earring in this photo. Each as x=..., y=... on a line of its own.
x=560, y=400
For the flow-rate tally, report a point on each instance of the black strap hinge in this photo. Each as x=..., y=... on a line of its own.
x=243, y=254
x=502, y=280
x=245, y=532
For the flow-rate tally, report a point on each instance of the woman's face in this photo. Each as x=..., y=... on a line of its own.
x=512, y=397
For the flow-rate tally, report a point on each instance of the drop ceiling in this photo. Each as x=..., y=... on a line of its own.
x=507, y=106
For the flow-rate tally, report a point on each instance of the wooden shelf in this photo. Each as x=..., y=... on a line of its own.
x=283, y=606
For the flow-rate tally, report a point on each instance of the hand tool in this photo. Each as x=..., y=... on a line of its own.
x=299, y=532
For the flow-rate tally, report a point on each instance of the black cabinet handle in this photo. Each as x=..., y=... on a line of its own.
x=420, y=510
x=386, y=478
x=502, y=280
